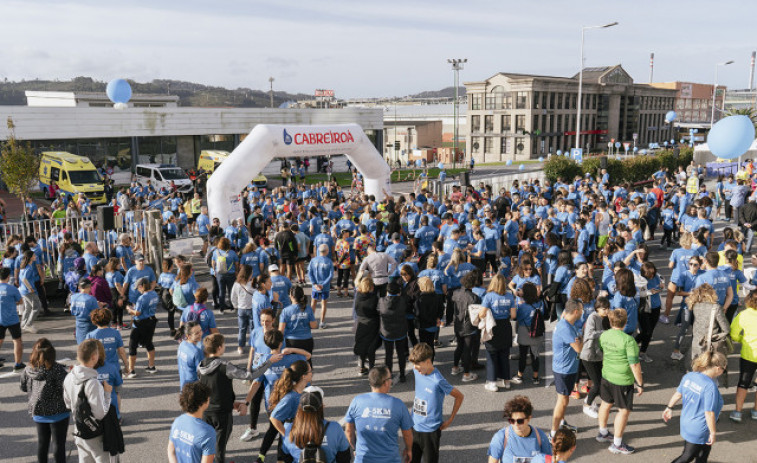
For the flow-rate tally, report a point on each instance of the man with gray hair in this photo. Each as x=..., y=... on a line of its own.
x=379, y=265
x=566, y=345
x=372, y=421
x=320, y=273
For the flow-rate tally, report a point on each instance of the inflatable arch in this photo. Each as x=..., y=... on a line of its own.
x=266, y=142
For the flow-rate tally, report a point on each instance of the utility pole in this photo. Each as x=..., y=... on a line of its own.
x=270, y=80
x=457, y=65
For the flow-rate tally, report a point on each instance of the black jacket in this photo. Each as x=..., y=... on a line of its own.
x=462, y=298
x=218, y=374
x=748, y=214
x=429, y=307
x=113, y=436
x=45, y=389
x=393, y=311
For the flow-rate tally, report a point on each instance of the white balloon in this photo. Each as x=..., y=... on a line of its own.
x=120, y=106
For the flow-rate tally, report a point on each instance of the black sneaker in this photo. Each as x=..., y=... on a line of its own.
x=18, y=367
x=537, y=381
x=151, y=370
x=403, y=379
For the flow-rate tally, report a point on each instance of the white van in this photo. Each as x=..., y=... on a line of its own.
x=161, y=176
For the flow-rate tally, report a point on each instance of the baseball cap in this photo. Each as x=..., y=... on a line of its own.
x=273, y=268
x=138, y=256
x=79, y=263
x=311, y=398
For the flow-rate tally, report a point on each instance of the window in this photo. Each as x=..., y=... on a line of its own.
x=558, y=128
x=64, y=176
x=519, y=146
x=552, y=100
x=143, y=172
x=490, y=101
x=80, y=177
x=158, y=177
x=475, y=144
x=507, y=101
x=559, y=101
x=488, y=145
x=488, y=124
x=504, y=145
x=54, y=173
x=520, y=122
x=494, y=100
x=506, y=127
x=475, y=101
x=172, y=173
x=537, y=100
x=475, y=123
x=521, y=100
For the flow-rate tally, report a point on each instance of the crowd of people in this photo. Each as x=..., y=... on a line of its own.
x=566, y=262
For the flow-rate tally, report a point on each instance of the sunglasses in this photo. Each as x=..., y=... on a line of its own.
x=518, y=421
x=693, y=264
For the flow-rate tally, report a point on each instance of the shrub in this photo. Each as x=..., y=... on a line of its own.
x=559, y=166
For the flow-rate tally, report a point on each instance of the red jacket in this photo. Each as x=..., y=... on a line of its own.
x=101, y=290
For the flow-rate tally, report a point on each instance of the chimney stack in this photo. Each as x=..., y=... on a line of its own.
x=751, y=71
x=651, y=68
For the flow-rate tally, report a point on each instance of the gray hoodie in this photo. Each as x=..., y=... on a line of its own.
x=98, y=400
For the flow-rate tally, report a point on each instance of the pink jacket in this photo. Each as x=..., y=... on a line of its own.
x=101, y=290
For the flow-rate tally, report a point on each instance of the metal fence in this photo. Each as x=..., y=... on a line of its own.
x=144, y=227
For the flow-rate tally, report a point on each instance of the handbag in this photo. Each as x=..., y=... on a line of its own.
x=720, y=342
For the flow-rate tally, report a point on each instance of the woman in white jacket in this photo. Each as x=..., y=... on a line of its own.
x=84, y=376
x=241, y=299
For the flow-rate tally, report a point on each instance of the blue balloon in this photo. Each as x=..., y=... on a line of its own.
x=672, y=142
x=509, y=162
x=731, y=137
x=440, y=166
x=559, y=153
x=118, y=91
x=541, y=158
x=683, y=141
x=670, y=116
x=635, y=149
x=522, y=167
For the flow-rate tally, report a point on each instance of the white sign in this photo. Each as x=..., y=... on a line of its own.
x=626, y=146
x=635, y=136
x=236, y=210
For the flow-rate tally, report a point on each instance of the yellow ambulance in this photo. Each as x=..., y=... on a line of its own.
x=211, y=159
x=72, y=174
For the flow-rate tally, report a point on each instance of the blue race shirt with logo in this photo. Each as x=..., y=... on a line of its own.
x=133, y=276
x=377, y=418
x=82, y=306
x=524, y=447
x=9, y=297
x=146, y=305
x=297, y=322
x=275, y=371
x=430, y=391
x=192, y=438
x=565, y=359
x=334, y=441
x=111, y=340
x=499, y=304
x=699, y=394
x=188, y=358
x=719, y=281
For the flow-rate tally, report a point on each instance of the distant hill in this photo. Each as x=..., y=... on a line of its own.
x=189, y=93
x=448, y=92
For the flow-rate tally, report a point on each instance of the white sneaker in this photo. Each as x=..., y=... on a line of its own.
x=676, y=356
x=503, y=383
x=591, y=411
x=491, y=386
x=30, y=329
x=470, y=377
x=664, y=320
x=240, y=351
x=322, y=326
x=643, y=356
x=456, y=371
x=249, y=435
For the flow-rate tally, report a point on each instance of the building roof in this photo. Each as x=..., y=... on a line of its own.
x=599, y=75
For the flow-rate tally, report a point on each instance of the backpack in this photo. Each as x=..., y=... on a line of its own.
x=537, y=329
x=86, y=425
x=194, y=315
x=533, y=430
x=221, y=268
x=178, y=298
x=313, y=453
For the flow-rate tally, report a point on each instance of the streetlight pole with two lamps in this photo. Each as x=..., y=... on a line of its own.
x=581, y=79
x=457, y=65
x=715, y=90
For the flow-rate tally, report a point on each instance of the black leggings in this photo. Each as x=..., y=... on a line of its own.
x=343, y=278
x=464, y=350
x=411, y=332
x=428, y=337
x=255, y=407
x=731, y=311
x=647, y=323
x=698, y=453
x=172, y=319
x=267, y=443
x=594, y=370
x=522, y=360
x=401, y=346
x=57, y=431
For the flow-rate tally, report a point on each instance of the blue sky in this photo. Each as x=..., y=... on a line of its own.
x=361, y=49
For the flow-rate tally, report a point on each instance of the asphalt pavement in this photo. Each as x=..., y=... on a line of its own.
x=150, y=403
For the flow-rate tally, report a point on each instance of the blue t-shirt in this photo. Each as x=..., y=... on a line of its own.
x=166, y=279
x=297, y=322
x=525, y=447
x=429, y=399
x=565, y=359
x=205, y=317
x=499, y=304
x=9, y=297
x=700, y=394
x=111, y=340
x=203, y=222
x=82, y=306
x=192, y=439
x=31, y=275
x=631, y=304
x=275, y=371
x=526, y=313
x=132, y=276
x=286, y=409
x=719, y=281
x=377, y=418
x=188, y=358
x=114, y=277
x=112, y=375
x=146, y=305
x=334, y=441
x=281, y=286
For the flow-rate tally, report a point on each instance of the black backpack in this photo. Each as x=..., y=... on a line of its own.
x=86, y=425
x=537, y=325
x=313, y=454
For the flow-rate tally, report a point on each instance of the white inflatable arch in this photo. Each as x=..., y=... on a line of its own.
x=266, y=142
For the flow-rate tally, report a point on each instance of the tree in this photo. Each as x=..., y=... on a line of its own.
x=18, y=164
x=749, y=112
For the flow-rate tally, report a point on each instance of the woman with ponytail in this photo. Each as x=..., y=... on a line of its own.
x=297, y=320
x=260, y=300
x=310, y=434
x=283, y=401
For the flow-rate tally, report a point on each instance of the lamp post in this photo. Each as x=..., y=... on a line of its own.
x=581, y=79
x=270, y=80
x=715, y=91
x=457, y=65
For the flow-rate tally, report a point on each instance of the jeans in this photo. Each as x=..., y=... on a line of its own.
x=244, y=320
x=57, y=431
x=225, y=282
x=686, y=320
x=31, y=309
x=497, y=364
x=749, y=237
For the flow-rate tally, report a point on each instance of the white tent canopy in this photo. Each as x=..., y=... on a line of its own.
x=266, y=142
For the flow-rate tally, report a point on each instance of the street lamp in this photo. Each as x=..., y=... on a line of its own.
x=270, y=80
x=715, y=90
x=581, y=79
x=457, y=65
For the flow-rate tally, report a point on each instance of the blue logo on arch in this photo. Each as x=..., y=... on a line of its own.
x=287, y=138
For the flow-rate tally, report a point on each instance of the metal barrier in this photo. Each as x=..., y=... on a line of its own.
x=50, y=232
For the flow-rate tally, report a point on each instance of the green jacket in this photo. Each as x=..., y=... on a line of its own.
x=744, y=331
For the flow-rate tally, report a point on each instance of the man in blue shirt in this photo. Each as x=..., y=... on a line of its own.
x=320, y=273
x=430, y=390
x=192, y=440
x=203, y=227
x=372, y=421
x=425, y=235
x=136, y=273
x=566, y=345
x=10, y=298
x=718, y=279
